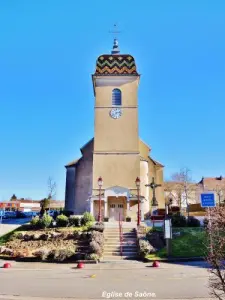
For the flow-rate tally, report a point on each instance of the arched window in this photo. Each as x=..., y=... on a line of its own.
x=116, y=97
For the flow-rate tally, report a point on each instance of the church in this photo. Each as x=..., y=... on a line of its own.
x=115, y=166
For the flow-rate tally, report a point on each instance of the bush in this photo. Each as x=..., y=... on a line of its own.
x=178, y=220
x=96, y=248
x=41, y=253
x=62, y=221
x=98, y=227
x=63, y=254
x=128, y=219
x=92, y=256
x=45, y=221
x=18, y=235
x=87, y=218
x=193, y=222
x=97, y=237
x=145, y=248
x=35, y=221
x=74, y=221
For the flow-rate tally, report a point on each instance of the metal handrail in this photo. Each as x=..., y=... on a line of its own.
x=121, y=236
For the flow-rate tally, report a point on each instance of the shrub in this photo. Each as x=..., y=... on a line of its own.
x=35, y=221
x=62, y=221
x=96, y=248
x=63, y=254
x=128, y=219
x=92, y=256
x=18, y=235
x=98, y=227
x=97, y=237
x=193, y=222
x=178, y=220
x=87, y=218
x=41, y=253
x=45, y=221
x=74, y=221
x=145, y=248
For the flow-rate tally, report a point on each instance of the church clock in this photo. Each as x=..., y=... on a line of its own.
x=115, y=113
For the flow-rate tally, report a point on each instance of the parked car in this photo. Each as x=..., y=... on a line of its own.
x=9, y=215
x=21, y=214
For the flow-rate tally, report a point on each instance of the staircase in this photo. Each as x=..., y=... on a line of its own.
x=113, y=248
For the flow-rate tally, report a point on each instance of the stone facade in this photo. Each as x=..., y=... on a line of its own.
x=116, y=153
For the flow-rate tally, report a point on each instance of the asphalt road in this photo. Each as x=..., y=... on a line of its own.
x=123, y=281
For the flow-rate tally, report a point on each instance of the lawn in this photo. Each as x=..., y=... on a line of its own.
x=191, y=243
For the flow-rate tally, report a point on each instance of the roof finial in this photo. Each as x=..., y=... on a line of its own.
x=115, y=49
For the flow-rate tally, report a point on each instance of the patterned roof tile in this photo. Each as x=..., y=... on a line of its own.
x=116, y=65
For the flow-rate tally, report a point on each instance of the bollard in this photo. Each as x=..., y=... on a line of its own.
x=155, y=264
x=7, y=265
x=80, y=265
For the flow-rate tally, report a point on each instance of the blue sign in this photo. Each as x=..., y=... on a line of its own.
x=2, y=213
x=208, y=200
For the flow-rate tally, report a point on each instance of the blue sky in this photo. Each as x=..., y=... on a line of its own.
x=48, y=52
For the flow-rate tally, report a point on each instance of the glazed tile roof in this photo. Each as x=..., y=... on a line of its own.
x=116, y=65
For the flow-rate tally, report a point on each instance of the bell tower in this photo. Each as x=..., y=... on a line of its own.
x=116, y=138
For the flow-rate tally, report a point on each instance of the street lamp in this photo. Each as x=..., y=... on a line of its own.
x=100, y=183
x=138, y=182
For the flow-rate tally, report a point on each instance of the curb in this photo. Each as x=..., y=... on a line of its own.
x=174, y=259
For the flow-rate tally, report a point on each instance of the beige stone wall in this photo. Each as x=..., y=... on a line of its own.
x=116, y=135
x=103, y=94
x=83, y=180
x=120, y=170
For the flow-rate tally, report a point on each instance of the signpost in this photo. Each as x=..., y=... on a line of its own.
x=208, y=200
x=2, y=213
x=168, y=235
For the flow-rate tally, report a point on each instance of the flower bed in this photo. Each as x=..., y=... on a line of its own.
x=61, y=244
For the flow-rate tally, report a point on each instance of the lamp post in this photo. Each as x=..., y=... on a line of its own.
x=138, y=182
x=100, y=183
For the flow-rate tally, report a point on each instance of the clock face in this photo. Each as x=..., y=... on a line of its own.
x=115, y=113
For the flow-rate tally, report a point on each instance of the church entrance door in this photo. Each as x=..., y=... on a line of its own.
x=116, y=211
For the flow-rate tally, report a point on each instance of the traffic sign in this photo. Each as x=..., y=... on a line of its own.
x=208, y=199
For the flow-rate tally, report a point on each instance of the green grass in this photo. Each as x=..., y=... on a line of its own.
x=191, y=243
x=6, y=237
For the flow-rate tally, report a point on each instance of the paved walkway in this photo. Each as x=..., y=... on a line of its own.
x=8, y=225
x=41, y=298
x=104, y=281
x=5, y=228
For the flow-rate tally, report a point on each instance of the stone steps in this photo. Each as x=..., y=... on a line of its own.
x=112, y=246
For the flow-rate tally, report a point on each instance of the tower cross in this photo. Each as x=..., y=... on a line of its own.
x=153, y=186
x=115, y=31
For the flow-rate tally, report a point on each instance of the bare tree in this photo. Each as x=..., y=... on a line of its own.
x=220, y=191
x=216, y=250
x=184, y=186
x=51, y=188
